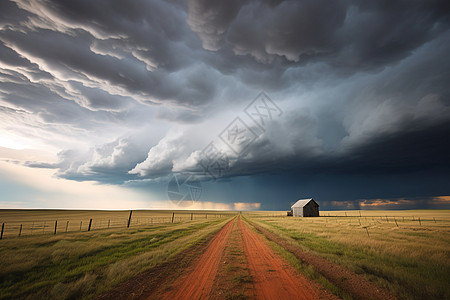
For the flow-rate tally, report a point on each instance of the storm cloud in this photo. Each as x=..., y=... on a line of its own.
x=132, y=92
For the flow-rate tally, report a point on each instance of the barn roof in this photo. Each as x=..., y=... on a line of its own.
x=303, y=202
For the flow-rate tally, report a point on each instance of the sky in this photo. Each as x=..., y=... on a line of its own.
x=241, y=105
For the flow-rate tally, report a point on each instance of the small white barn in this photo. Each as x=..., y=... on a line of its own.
x=305, y=208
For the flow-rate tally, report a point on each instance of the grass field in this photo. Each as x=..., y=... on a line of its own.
x=35, y=222
x=82, y=264
x=407, y=252
x=409, y=257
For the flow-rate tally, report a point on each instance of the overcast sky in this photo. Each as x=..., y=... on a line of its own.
x=260, y=103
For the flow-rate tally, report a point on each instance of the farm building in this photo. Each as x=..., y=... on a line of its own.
x=305, y=208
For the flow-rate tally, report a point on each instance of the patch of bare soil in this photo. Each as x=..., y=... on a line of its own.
x=353, y=284
x=273, y=277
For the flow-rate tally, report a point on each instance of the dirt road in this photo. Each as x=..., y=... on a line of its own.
x=237, y=263
x=198, y=283
x=271, y=276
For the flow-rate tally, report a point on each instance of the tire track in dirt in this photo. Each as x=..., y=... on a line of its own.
x=249, y=269
x=354, y=284
x=198, y=283
x=273, y=277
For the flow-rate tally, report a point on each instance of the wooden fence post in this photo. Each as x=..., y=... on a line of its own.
x=56, y=225
x=90, y=223
x=173, y=215
x=109, y=222
x=81, y=223
x=129, y=219
x=420, y=222
x=434, y=220
x=367, y=232
x=387, y=221
x=67, y=225
x=20, y=230
x=395, y=222
x=3, y=228
x=191, y=216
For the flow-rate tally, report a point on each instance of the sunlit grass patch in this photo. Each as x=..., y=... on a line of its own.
x=79, y=265
x=394, y=249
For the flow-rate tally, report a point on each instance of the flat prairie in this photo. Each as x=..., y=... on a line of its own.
x=80, y=263
x=43, y=221
x=225, y=255
x=406, y=252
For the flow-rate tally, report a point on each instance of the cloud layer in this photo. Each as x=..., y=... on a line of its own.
x=127, y=93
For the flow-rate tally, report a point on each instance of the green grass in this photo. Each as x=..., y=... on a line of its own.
x=411, y=260
x=80, y=265
x=243, y=278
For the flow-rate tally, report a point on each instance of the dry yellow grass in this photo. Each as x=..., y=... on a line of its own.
x=393, y=248
x=36, y=222
x=82, y=264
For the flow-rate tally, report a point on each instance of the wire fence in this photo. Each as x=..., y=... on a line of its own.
x=366, y=222
x=376, y=219
x=13, y=228
x=344, y=215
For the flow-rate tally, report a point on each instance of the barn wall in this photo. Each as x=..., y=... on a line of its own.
x=311, y=210
x=298, y=212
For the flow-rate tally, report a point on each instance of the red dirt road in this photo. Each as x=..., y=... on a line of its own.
x=273, y=278
x=198, y=284
x=237, y=263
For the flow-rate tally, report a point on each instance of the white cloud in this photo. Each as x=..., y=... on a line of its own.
x=60, y=193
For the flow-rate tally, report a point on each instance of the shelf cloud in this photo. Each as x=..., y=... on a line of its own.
x=130, y=93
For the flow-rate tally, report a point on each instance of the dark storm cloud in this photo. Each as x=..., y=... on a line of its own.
x=348, y=34
x=11, y=14
x=135, y=48
x=394, y=121
x=412, y=150
x=51, y=107
x=363, y=84
x=141, y=26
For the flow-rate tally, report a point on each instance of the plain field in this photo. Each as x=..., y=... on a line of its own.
x=393, y=249
x=411, y=258
x=36, y=222
x=82, y=264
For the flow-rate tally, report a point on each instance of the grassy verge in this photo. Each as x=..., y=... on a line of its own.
x=80, y=265
x=409, y=259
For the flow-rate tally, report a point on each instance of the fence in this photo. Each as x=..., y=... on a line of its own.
x=376, y=219
x=63, y=225
x=366, y=222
